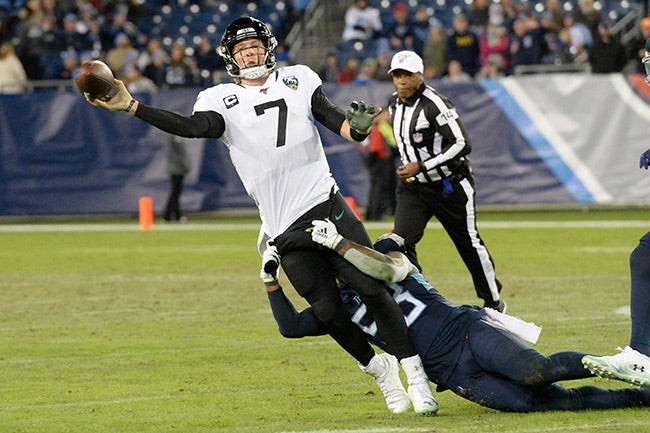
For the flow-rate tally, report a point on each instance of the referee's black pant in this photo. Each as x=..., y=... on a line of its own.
x=417, y=203
x=313, y=270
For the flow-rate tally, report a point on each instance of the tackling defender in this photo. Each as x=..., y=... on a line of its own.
x=267, y=118
x=461, y=347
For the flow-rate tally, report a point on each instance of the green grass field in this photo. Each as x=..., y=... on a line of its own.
x=104, y=328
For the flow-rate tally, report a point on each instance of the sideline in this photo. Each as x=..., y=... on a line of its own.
x=433, y=225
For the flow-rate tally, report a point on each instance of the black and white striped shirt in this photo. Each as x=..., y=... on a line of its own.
x=427, y=128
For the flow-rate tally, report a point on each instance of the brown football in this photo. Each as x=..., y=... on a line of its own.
x=95, y=78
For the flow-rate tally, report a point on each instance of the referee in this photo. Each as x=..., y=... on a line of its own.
x=436, y=177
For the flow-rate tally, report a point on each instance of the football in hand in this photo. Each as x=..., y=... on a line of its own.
x=95, y=78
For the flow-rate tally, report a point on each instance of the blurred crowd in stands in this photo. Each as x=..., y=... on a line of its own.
x=49, y=39
x=490, y=39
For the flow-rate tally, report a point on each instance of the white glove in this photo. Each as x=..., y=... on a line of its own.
x=325, y=233
x=270, y=263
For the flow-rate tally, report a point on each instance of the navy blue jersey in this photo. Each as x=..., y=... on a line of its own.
x=436, y=326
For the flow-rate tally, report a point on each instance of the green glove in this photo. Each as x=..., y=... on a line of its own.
x=360, y=116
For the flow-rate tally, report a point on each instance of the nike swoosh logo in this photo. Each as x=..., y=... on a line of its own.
x=339, y=216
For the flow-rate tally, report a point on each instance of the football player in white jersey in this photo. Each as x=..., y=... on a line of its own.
x=266, y=118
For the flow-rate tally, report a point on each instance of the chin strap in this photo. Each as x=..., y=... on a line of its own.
x=254, y=72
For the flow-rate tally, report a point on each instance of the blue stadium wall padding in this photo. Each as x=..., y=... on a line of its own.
x=537, y=141
x=61, y=156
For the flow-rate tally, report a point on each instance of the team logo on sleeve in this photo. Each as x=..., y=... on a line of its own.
x=291, y=82
x=230, y=101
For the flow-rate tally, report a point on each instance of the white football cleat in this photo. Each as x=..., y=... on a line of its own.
x=385, y=370
x=420, y=393
x=629, y=366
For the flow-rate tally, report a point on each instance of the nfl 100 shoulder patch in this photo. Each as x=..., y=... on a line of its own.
x=291, y=82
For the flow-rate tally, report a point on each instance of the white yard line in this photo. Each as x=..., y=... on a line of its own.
x=97, y=227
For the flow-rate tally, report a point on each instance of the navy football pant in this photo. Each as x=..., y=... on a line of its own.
x=501, y=372
x=640, y=296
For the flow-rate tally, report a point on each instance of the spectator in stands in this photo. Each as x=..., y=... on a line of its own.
x=116, y=57
x=329, y=71
x=128, y=11
x=508, y=13
x=13, y=78
x=90, y=23
x=421, y=24
x=368, y=73
x=156, y=70
x=50, y=63
x=548, y=23
x=520, y=7
x=118, y=24
x=588, y=15
x=362, y=22
x=463, y=45
x=435, y=51
x=398, y=33
x=350, y=70
x=455, y=73
x=181, y=70
x=69, y=65
x=86, y=56
x=493, y=46
x=135, y=82
x=580, y=37
x=478, y=17
x=527, y=44
x=69, y=38
x=491, y=69
x=495, y=13
x=29, y=34
x=383, y=66
x=554, y=8
x=56, y=9
x=636, y=46
x=146, y=55
x=559, y=49
x=209, y=63
x=558, y=45
x=607, y=54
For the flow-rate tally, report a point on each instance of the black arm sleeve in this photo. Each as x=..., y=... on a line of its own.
x=291, y=323
x=326, y=112
x=208, y=124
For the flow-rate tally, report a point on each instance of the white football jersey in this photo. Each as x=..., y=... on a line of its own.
x=274, y=144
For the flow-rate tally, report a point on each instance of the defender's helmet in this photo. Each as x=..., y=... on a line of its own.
x=247, y=28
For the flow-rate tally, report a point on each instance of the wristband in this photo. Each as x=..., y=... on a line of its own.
x=130, y=105
x=422, y=167
x=340, y=244
x=358, y=136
